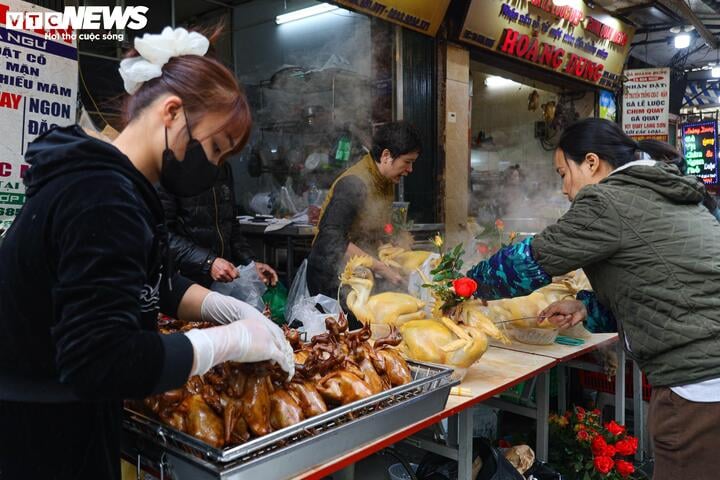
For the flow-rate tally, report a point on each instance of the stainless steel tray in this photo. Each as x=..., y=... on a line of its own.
x=297, y=448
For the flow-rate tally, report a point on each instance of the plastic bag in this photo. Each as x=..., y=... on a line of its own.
x=247, y=287
x=275, y=298
x=298, y=291
x=312, y=312
x=416, y=281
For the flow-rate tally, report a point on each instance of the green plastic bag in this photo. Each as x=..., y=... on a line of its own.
x=275, y=299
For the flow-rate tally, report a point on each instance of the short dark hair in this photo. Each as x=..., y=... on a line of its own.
x=607, y=140
x=399, y=138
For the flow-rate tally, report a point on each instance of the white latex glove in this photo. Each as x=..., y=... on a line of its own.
x=253, y=338
x=225, y=309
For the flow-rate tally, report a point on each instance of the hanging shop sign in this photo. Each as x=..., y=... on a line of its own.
x=646, y=103
x=424, y=16
x=699, y=142
x=38, y=88
x=585, y=43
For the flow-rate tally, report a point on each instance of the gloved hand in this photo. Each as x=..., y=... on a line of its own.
x=225, y=309
x=252, y=338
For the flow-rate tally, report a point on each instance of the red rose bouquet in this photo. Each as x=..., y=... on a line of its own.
x=583, y=448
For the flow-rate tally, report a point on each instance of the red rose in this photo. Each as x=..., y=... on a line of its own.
x=624, y=468
x=603, y=464
x=598, y=445
x=583, y=436
x=596, y=411
x=626, y=447
x=580, y=417
x=499, y=224
x=609, y=451
x=483, y=249
x=580, y=410
x=614, y=428
x=634, y=442
x=389, y=229
x=465, y=287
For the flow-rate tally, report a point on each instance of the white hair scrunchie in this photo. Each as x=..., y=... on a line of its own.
x=155, y=51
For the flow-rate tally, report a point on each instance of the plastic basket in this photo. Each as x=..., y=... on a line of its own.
x=599, y=381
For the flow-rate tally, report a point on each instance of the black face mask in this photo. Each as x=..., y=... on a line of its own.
x=191, y=177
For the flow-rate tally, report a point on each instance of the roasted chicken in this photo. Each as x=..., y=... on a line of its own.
x=234, y=402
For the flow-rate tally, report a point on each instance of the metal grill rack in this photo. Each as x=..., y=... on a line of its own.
x=301, y=446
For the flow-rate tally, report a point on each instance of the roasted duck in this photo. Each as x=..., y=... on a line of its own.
x=234, y=402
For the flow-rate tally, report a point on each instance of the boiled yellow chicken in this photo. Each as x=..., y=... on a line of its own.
x=457, y=342
x=443, y=342
x=406, y=261
x=389, y=308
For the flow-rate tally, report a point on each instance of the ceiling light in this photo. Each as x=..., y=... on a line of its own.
x=682, y=40
x=494, y=81
x=305, y=13
x=715, y=72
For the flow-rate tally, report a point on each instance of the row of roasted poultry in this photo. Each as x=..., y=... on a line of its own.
x=235, y=402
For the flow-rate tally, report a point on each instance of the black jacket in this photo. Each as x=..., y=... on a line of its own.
x=80, y=289
x=204, y=227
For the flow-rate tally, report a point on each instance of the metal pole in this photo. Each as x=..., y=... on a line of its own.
x=172, y=13
x=620, y=384
x=639, y=413
x=542, y=395
x=465, y=441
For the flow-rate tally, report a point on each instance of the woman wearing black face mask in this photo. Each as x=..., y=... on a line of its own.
x=84, y=271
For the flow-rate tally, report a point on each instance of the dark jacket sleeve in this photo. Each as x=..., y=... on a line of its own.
x=190, y=258
x=332, y=239
x=589, y=232
x=333, y=231
x=101, y=350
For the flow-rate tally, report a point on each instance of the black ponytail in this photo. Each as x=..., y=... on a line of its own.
x=663, y=152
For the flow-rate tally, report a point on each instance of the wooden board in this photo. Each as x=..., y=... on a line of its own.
x=562, y=352
x=498, y=370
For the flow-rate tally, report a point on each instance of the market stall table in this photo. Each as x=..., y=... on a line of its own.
x=565, y=356
x=294, y=237
x=498, y=370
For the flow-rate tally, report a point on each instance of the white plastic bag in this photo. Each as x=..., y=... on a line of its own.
x=247, y=287
x=417, y=280
x=310, y=311
x=298, y=291
x=312, y=317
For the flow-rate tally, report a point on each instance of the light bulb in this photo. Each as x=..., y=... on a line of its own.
x=682, y=40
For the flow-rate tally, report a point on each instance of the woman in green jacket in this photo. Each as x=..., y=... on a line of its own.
x=651, y=251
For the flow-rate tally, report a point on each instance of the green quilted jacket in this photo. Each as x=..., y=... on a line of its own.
x=652, y=254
